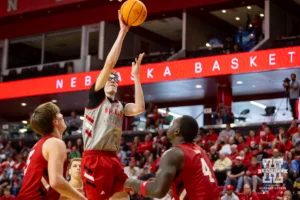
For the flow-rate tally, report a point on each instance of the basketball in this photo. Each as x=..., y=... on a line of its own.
x=134, y=12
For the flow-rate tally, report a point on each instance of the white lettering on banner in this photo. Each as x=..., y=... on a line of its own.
x=59, y=84
x=12, y=5
x=291, y=53
x=272, y=59
x=235, y=63
x=119, y=75
x=216, y=66
x=149, y=71
x=73, y=82
x=167, y=71
x=198, y=67
x=87, y=81
x=252, y=61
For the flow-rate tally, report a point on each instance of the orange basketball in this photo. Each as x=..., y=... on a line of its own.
x=134, y=12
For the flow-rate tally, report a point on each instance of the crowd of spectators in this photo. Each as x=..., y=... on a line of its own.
x=237, y=160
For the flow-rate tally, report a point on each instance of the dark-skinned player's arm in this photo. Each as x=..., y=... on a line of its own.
x=112, y=57
x=170, y=164
x=56, y=158
x=132, y=109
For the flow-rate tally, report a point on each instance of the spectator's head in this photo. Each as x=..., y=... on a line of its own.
x=285, y=175
x=285, y=138
x=132, y=163
x=263, y=125
x=267, y=130
x=289, y=155
x=4, y=175
x=79, y=142
x=69, y=144
x=287, y=195
x=20, y=159
x=147, y=138
x=155, y=110
x=221, y=103
x=133, y=148
x=185, y=127
x=74, y=149
x=242, y=154
x=201, y=131
x=211, y=131
x=238, y=160
x=73, y=114
x=150, y=159
x=240, y=139
x=233, y=148
x=275, y=153
x=213, y=149
x=160, y=132
x=229, y=190
x=136, y=140
x=9, y=159
x=47, y=119
x=294, y=123
x=74, y=169
x=252, y=133
x=237, y=134
x=228, y=127
x=7, y=192
x=111, y=86
x=231, y=140
x=260, y=147
x=221, y=155
x=293, y=77
x=253, y=161
x=15, y=176
x=247, y=189
x=246, y=150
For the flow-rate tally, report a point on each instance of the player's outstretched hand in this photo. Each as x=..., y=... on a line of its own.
x=123, y=26
x=137, y=64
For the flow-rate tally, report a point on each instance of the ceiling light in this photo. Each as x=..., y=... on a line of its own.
x=54, y=101
x=250, y=25
x=258, y=104
x=120, y=0
x=198, y=86
x=252, y=35
x=248, y=7
x=239, y=82
x=170, y=113
x=81, y=117
x=208, y=45
x=24, y=122
x=237, y=18
x=253, y=86
x=262, y=15
x=23, y=104
x=223, y=11
x=23, y=130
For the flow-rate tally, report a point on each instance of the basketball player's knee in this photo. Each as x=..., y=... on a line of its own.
x=120, y=196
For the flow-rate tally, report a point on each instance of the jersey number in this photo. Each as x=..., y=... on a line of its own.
x=206, y=171
x=28, y=160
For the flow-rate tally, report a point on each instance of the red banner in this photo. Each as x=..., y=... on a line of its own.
x=159, y=72
x=13, y=7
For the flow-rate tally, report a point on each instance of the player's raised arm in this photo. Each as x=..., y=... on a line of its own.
x=171, y=162
x=132, y=109
x=56, y=158
x=112, y=57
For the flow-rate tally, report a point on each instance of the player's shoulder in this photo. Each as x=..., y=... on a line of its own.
x=52, y=142
x=174, y=154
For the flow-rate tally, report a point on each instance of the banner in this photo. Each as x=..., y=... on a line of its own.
x=159, y=72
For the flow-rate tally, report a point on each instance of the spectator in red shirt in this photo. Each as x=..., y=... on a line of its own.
x=279, y=137
x=267, y=139
x=146, y=146
x=7, y=195
x=19, y=165
x=241, y=145
x=160, y=141
x=285, y=145
x=276, y=192
x=153, y=118
x=247, y=156
x=253, y=174
x=234, y=153
x=252, y=138
x=150, y=164
x=248, y=195
x=261, y=131
x=292, y=129
x=211, y=137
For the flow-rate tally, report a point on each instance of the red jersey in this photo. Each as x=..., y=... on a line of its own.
x=36, y=181
x=196, y=179
x=9, y=198
x=251, y=196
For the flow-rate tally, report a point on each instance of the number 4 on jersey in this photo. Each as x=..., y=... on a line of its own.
x=206, y=171
x=28, y=160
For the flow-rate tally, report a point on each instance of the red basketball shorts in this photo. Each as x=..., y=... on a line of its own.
x=102, y=174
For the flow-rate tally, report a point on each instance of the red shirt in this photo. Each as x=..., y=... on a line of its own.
x=211, y=137
x=9, y=198
x=251, y=196
x=144, y=146
x=254, y=139
x=255, y=170
x=268, y=138
x=19, y=166
x=241, y=146
x=247, y=159
x=232, y=156
x=273, y=194
x=285, y=147
x=292, y=131
x=196, y=180
x=36, y=181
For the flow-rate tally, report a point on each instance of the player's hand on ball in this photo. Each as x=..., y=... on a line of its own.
x=137, y=64
x=123, y=26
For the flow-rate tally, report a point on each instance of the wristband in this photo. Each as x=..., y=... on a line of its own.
x=143, y=187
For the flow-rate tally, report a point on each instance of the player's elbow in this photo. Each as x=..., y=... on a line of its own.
x=56, y=183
